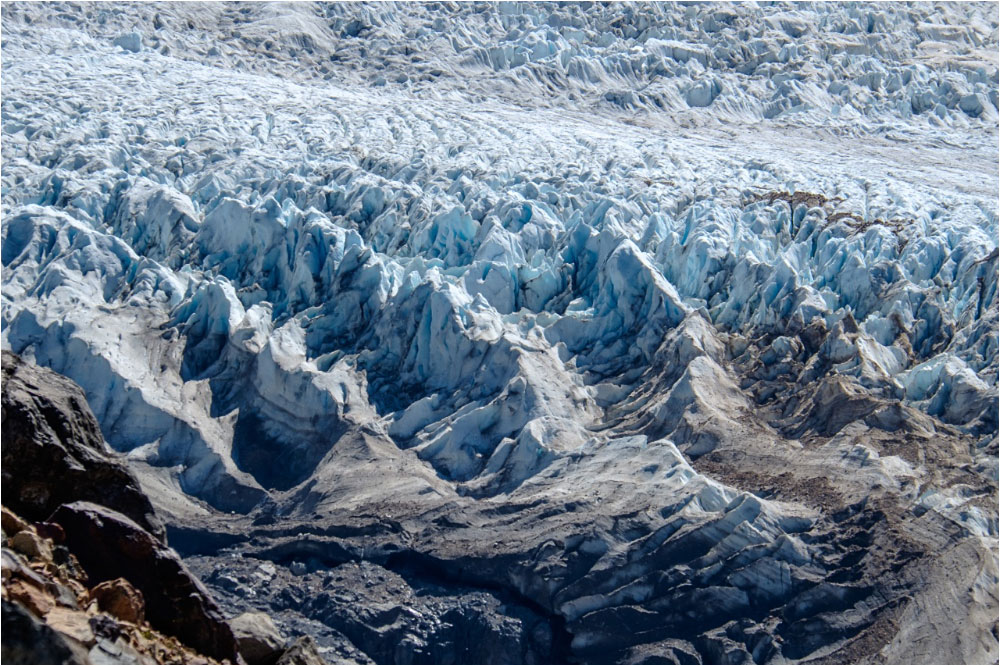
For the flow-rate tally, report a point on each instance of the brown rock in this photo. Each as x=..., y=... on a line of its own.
x=50, y=569
x=29, y=544
x=50, y=531
x=119, y=598
x=11, y=522
x=33, y=598
x=72, y=623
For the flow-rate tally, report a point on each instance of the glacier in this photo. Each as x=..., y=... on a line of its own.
x=616, y=308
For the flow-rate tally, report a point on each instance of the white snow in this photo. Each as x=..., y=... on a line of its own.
x=289, y=214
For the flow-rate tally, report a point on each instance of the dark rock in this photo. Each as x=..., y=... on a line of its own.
x=414, y=615
x=64, y=595
x=69, y=564
x=54, y=453
x=109, y=546
x=106, y=627
x=26, y=640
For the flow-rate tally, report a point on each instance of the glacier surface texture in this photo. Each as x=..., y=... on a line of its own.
x=503, y=332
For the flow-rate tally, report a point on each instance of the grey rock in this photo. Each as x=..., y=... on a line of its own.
x=259, y=640
x=28, y=543
x=303, y=650
x=13, y=563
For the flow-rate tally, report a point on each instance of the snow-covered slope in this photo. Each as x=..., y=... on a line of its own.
x=320, y=257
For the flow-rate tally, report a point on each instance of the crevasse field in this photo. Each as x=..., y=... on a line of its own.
x=502, y=332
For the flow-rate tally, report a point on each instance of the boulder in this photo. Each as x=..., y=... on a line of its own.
x=110, y=546
x=50, y=531
x=28, y=543
x=259, y=640
x=303, y=650
x=54, y=453
x=119, y=598
x=12, y=523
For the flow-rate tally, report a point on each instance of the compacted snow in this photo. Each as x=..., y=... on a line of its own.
x=514, y=248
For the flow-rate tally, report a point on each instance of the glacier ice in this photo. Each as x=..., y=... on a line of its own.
x=479, y=249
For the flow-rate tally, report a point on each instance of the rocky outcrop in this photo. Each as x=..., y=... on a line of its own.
x=261, y=642
x=53, y=615
x=54, y=453
x=110, y=545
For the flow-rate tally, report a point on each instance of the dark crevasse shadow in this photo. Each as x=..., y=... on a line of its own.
x=274, y=459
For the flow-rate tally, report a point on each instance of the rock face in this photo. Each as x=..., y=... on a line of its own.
x=110, y=546
x=50, y=615
x=53, y=451
x=27, y=640
x=520, y=332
